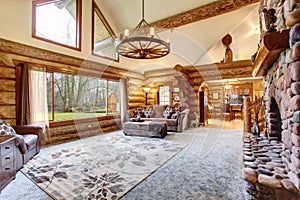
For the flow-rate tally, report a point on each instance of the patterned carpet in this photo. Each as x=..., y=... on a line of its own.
x=209, y=167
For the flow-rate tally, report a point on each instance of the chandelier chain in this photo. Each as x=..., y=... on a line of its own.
x=143, y=12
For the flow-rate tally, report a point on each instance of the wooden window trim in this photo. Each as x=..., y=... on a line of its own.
x=107, y=26
x=78, y=24
x=67, y=121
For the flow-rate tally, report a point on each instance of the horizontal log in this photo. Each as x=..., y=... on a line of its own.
x=7, y=112
x=8, y=98
x=7, y=72
x=74, y=136
x=12, y=122
x=62, y=130
x=82, y=120
x=160, y=72
x=237, y=72
x=204, y=12
x=7, y=85
x=218, y=66
x=135, y=81
x=136, y=102
x=82, y=126
x=134, y=105
x=136, y=99
x=135, y=93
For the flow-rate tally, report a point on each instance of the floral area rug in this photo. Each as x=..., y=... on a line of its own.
x=104, y=167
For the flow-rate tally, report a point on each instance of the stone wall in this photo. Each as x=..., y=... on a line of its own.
x=272, y=162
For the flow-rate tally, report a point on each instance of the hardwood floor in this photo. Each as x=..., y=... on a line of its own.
x=236, y=124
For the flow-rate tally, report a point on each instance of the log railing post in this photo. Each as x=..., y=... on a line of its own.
x=247, y=114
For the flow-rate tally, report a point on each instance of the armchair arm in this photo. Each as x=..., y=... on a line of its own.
x=180, y=118
x=28, y=129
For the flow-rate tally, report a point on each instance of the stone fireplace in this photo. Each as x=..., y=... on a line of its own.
x=272, y=160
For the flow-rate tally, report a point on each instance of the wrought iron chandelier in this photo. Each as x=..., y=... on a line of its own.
x=142, y=43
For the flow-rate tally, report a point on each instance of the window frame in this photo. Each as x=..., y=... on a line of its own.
x=78, y=24
x=170, y=94
x=96, y=9
x=107, y=114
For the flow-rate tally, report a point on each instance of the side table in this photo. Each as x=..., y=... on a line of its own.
x=7, y=160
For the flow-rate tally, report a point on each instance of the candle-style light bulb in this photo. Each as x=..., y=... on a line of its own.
x=126, y=33
x=152, y=31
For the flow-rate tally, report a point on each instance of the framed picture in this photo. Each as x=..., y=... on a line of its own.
x=175, y=89
x=215, y=95
x=176, y=98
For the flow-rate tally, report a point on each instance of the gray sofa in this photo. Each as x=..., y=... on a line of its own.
x=176, y=120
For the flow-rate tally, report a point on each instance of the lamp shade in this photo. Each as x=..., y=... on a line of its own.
x=146, y=89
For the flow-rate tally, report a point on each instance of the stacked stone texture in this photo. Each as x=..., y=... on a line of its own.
x=287, y=12
x=291, y=133
x=272, y=163
x=264, y=169
x=269, y=163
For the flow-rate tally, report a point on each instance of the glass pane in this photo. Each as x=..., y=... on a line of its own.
x=56, y=21
x=100, y=96
x=103, y=41
x=81, y=96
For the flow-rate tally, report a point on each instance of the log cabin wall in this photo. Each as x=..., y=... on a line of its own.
x=152, y=79
x=194, y=76
x=12, y=53
x=7, y=93
x=136, y=95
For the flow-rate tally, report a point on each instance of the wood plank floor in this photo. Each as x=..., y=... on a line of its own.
x=236, y=124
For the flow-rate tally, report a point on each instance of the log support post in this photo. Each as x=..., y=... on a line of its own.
x=247, y=114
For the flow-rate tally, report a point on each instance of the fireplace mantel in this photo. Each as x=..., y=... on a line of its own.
x=271, y=45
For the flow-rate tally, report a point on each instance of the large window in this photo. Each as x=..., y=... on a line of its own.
x=57, y=21
x=73, y=96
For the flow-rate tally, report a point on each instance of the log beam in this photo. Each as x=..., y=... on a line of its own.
x=204, y=12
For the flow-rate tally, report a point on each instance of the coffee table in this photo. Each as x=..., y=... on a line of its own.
x=145, y=128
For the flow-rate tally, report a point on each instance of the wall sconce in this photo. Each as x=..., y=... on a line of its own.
x=146, y=89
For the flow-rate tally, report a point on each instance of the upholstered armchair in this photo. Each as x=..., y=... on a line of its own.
x=27, y=142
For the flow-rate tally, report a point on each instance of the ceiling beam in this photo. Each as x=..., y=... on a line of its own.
x=210, y=10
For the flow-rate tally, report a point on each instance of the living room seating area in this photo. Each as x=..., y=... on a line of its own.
x=27, y=141
x=176, y=118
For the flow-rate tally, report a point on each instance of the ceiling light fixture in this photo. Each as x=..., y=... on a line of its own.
x=142, y=43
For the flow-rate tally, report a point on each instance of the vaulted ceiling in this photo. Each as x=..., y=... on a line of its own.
x=196, y=28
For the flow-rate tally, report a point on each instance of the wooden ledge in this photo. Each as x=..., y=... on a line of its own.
x=271, y=46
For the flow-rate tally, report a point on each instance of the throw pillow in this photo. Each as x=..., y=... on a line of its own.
x=6, y=129
x=175, y=115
